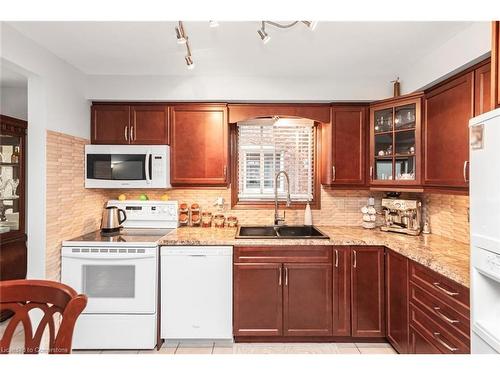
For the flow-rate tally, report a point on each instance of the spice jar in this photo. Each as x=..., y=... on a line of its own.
x=219, y=220
x=183, y=214
x=206, y=219
x=195, y=215
x=232, y=222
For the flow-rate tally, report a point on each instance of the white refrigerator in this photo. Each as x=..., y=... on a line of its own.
x=485, y=232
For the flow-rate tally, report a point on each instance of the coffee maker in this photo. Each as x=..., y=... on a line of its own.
x=402, y=216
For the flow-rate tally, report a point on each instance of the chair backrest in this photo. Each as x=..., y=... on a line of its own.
x=22, y=296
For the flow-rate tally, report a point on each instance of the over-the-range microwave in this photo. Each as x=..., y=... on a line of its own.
x=127, y=166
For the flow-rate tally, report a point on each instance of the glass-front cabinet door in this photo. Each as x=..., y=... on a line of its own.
x=11, y=179
x=395, y=142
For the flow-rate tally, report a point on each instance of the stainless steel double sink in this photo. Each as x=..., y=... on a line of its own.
x=281, y=232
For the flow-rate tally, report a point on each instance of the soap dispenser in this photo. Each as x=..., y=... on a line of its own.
x=308, y=215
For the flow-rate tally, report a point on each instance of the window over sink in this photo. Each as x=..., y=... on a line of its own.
x=269, y=145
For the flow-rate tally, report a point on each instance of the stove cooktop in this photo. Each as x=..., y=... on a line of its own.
x=128, y=236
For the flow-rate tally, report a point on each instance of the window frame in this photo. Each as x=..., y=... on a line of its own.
x=238, y=204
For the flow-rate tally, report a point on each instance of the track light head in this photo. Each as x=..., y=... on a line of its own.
x=213, y=24
x=189, y=62
x=263, y=35
x=310, y=24
x=179, y=32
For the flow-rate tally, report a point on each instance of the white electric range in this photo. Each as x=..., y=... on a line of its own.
x=119, y=274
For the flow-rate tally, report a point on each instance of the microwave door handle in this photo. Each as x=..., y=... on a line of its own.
x=146, y=166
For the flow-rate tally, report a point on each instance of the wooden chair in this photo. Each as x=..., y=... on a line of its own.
x=22, y=296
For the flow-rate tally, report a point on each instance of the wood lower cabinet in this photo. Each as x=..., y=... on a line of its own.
x=129, y=124
x=341, y=291
x=344, y=146
x=396, y=287
x=307, y=299
x=367, y=291
x=258, y=299
x=448, y=109
x=199, y=145
x=419, y=344
x=290, y=296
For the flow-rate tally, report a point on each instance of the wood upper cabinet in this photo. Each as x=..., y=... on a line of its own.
x=495, y=64
x=341, y=291
x=199, y=145
x=149, y=125
x=258, y=299
x=395, y=142
x=307, y=299
x=482, y=89
x=344, y=148
x=110, y=124
x=397, y=300
x=125, y=124
x=448, y=109
x=367, y=291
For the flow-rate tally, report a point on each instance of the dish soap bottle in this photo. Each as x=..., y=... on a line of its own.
x=308, y=215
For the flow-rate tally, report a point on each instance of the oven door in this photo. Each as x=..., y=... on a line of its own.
x=114, y=280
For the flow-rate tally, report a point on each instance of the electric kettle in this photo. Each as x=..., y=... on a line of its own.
x=111, y=220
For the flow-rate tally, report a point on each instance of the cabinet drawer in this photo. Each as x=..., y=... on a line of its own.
x=448, y=291
x=439, y=310
x=283, y=254
x=435, y=333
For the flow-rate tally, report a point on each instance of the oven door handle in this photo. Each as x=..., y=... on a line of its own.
x=105, y=256
x=146, y=167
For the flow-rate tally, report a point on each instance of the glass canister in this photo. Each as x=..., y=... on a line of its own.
x=232, y=222
x=183, y=214
x=219, y=220
x=195, y=215
x=206, y=219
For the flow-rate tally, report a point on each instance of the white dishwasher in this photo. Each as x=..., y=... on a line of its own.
x=196, y=292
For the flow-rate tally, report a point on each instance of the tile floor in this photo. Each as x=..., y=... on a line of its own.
x=260, y=348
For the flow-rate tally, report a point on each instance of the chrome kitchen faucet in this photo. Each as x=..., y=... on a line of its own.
x=280, y=220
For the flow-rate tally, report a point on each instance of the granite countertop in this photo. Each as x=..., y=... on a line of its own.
x=448, y=257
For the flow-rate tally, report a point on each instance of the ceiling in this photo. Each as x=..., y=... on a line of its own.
x=335, y=49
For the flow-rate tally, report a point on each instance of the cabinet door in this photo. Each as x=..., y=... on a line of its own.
x=199, y=145
x=342, y=291
x=419, y=344
x=367, y=291
x=348, y=145
x=448, y=110
x=258, y=299
x=110, y=124
x=397, y=300
x=149, y=125
x=495, y=64
x=482, y=89
x=307, y=302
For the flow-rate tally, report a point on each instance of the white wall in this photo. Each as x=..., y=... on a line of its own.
x=464, y=49
x=56, y=101
x=14, y=102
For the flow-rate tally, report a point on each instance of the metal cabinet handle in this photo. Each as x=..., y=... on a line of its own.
x=132, y=133
x=466, y=163
x=449, y=320
x=437, y=285
x=279, y=277
x=336, y=258
x=447, y=346
x=286, y=275
x=225, y=171
x=371, y=173
x=355, y=262
x=126, y=132
x=334, y=176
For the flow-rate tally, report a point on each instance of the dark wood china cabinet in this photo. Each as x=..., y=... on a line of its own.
x=13, y=252
x=395, y=137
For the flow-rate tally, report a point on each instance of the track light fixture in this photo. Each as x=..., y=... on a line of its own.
x=311, y=25
x=182, y=38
